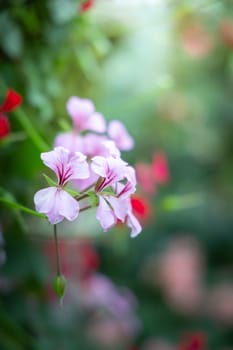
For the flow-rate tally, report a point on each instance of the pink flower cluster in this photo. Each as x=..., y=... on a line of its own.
x=89, y=158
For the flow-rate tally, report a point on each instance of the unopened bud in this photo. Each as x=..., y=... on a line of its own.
x=59, y=285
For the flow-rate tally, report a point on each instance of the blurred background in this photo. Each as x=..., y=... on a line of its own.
x=165, y=69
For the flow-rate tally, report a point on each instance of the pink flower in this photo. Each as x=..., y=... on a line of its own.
x=113, y=321
x=120, y=136
x=69, y=140
x=181, y=269
x=93, y=145
x=196, y=41
x=82, y=112
x=117, y=205
x=110, y=169
x=54, y=202
x=220, y=303
x=226, y=31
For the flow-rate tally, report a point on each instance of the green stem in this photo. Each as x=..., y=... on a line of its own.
x=30, y=130
x=15, y=205
x=85, y=208
x=58, y=262
x=82, y=196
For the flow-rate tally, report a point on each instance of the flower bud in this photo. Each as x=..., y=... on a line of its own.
x=59, y=285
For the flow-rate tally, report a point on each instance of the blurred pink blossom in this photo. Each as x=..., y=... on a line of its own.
x=153, y=174
x=114, y=321
x=226, y=31
x=220, y=303
x=180, y=274
x=145, y=178
x=120, y=135
x=84, y=116
x=196, y=41
x=70, y=140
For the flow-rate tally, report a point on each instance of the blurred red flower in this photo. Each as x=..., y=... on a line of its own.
x=4, y=126
x=86, y=5
x=160, y=168
x=141, y=207
x=12, y=101
x=193, y=341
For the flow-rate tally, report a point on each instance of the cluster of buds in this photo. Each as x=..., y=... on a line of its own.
x=89, y=159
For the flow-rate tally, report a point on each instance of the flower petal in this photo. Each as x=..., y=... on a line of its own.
x=134, y=224
x=69, y=140
x=80, y=167
x=96, y=122
x=109, y=166
x=56, y=204
x=119, y=206
x=83, y=184
x=93, y=145
x=111, y=148
x=80, y=110
x=46, y=203
x=120, y=135
x=67, y=165
x=105, y=215
x=44, y=199
x=68, y=206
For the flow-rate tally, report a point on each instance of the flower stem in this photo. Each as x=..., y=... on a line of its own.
x=85, y=208
x=82, y=196
x=58, y=262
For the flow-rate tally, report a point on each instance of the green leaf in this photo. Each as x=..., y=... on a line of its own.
x=14, y=205
x=49, y=180
x=93, y=198
x=179, y=202
x=72, y=192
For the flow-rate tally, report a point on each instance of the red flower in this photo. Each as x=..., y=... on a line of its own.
x=141, y=207
x=86, y=5
x=12, y=100
x=160, y=168
x=193, y=341
x=4, y=126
